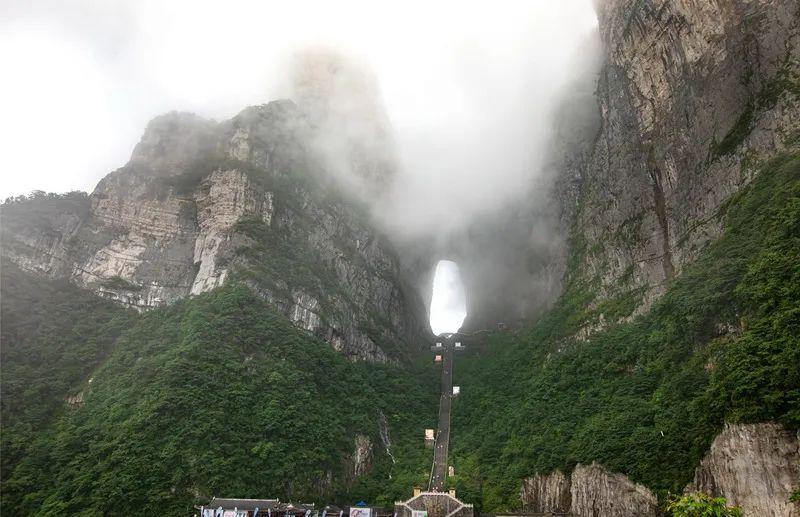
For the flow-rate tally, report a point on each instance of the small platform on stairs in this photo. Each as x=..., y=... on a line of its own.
x=433, y=504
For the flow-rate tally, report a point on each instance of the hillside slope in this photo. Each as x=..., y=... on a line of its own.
x=221, y=317
x=219, y=394
x=201, y=202
x=645, y=397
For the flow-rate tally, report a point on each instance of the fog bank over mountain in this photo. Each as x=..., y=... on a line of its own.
x=468, y=88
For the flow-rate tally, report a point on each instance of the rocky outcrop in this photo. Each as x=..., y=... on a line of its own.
x=692, y=96
x=753, y=466
x=590, y=491
x=546, y=493
x=359, y=462
x=362, y=456
x=201, y=202
x=597, y=492
x=223, y=199
x=75, y=401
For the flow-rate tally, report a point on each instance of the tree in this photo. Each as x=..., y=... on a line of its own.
x=701, y=505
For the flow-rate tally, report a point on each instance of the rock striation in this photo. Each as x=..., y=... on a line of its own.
x=692, y=96
x=590, y=491
x=201, y=202
x=753, y=466
x=546, y=493
x=362, y=455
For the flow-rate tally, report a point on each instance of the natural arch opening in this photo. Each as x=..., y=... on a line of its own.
x=448, y=299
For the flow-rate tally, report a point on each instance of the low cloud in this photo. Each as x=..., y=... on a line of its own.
x=441, y=115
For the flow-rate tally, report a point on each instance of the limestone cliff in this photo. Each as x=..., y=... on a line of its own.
x=590, y=491
x=546, y=493
x=201, y=202
x=692, y=97
x=362, y=455
x=756, y=467
x=753, y=466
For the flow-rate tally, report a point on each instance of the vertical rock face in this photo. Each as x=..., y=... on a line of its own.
x=755, y=466
x=546, y=493
x=692, y=96
x=359, y=462
x=200, y=202
x=362, y=457
x=223, y=199
x=590, y=491
x=597, y=492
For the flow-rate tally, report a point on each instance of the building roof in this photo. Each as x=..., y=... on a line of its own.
x=244, y=504
x=296, y=507
x=262, y=504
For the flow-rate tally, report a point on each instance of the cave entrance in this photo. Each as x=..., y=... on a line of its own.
x=448, y=299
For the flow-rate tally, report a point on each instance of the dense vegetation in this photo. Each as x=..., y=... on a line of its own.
x=645, y=397
x=107, y=411
x=701, y=505
x=216, y=395
x=53, y=336
x=281, y=262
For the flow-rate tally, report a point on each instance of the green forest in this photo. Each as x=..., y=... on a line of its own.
x=721, y=345
x=215, y=395
x=107, y=411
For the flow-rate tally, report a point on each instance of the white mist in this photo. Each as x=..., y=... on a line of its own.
x=448, y=302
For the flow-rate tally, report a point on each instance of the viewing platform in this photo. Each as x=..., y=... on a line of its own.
x=433, y=504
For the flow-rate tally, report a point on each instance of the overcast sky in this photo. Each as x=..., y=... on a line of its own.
x=81, y=78
x=469, y=89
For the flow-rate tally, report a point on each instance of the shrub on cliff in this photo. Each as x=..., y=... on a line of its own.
x=701, y=505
